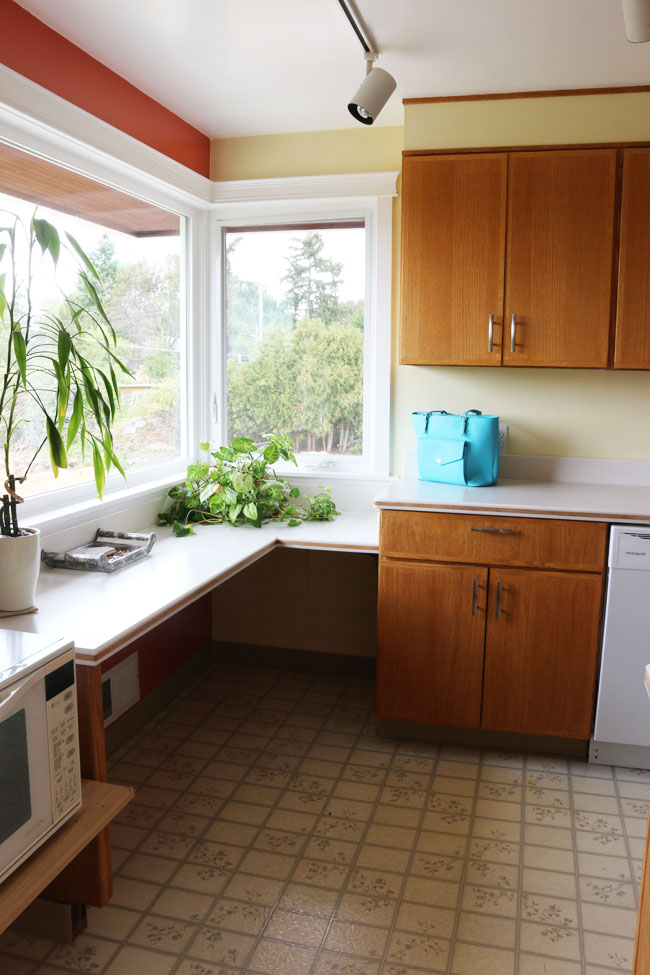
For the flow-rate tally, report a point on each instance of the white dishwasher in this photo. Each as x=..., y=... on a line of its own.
x=622, y=727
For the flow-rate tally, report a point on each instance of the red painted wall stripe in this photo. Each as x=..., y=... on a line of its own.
x=49, y=59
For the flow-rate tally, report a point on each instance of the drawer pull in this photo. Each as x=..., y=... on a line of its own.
x=499, y=592
x=475, y=597
x=493, y=531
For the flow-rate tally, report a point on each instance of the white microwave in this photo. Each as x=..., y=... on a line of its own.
x=40, y=783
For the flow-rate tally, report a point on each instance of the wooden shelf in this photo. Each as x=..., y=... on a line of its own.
x=101, y=803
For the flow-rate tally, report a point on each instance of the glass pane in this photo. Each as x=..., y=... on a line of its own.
x=16, y=806
x=295, y=335
x=140, y=273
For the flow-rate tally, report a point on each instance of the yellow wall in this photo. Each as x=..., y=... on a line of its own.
x=359, y=150
x=580, y=413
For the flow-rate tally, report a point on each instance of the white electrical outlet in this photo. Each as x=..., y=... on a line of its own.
x=503, y=438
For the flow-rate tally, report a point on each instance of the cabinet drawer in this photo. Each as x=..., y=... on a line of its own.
x=493, y=540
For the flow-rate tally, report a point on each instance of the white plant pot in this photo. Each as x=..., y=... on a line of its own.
x=19, y=565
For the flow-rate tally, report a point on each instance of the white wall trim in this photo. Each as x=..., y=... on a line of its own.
x=305, y=187
x=50, y=124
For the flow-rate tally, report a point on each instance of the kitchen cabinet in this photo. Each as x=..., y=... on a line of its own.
x=632, y=343
x=453, y=258
x=489, y=622
x=422, y=605
x=507, y=258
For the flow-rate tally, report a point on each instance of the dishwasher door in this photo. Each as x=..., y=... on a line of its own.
x=622, y=726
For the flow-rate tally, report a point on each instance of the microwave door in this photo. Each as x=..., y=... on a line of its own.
x=26, y=806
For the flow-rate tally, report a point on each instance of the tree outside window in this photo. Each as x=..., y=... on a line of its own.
x=295, y=335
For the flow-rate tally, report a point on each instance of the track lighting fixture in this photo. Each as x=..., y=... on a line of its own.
x=637, y=20
x=377, y=87
x=373, y=92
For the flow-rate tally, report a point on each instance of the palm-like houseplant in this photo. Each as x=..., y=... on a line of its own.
x=60, y=364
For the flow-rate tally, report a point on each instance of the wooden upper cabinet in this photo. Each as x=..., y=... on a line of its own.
x=561, y=207
x=453, y=246
x=632, y=345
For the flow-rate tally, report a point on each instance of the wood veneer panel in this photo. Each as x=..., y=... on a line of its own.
x=532, y=542
x=101, y=803
x=642, y=947
x=632, y=341
x=92, y=748
x=497, y=96
x=561, y=209
x=453, y=245
x=541, y=654
x=430, y=643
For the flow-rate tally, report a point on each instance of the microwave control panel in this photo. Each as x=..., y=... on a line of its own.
x=63, y=736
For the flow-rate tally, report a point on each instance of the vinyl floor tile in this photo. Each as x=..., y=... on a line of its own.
x=274, y=832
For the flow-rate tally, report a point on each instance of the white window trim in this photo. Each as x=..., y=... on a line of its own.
x=367, y=195
x=42, y=123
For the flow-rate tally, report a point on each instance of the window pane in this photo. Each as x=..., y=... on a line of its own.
x=295, y=335
x=140, y=273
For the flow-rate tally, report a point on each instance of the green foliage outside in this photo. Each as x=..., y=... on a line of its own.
x=142, y=302
x=61, y=369
x=296, y=366
x=238, y=486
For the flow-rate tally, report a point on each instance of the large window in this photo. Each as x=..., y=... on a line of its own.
x=295, y=326
x=137, y=249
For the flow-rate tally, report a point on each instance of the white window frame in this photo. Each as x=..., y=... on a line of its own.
x=39, y=122
x=301, y=200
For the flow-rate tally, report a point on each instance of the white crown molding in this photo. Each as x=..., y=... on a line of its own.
x=305, y=187
x=38, y=120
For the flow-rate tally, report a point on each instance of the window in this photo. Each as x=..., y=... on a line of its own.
x=138, y=251
x=305, y=312
x=295, y=297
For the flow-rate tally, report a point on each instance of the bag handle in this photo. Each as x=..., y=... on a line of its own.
x=429, y=413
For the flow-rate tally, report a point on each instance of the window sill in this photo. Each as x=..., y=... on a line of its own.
x=130, y=509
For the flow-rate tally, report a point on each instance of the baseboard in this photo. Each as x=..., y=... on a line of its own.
x=477, y=738
x=307, y=661
x=129, y=723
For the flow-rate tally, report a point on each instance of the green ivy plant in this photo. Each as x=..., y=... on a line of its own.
x=238, y=486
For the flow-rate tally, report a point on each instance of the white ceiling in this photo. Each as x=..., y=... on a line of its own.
x=252, y=67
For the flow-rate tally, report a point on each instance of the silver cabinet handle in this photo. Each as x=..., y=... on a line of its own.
x=490, y=333
x=493, y=531
x=499, y=591
x=513, y=333
x=475, y=597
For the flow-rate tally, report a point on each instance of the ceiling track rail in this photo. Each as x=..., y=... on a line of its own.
x=357, y=25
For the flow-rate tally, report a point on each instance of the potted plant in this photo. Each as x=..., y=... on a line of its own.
x=59, y=377
x=238, y=486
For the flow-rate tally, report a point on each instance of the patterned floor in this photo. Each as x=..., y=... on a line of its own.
x=274, y=833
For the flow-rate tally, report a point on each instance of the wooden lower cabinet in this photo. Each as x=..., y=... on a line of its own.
x=431, y=630
x=541, y=652
x=487, y=646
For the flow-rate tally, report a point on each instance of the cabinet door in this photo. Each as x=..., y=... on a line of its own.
x=541, y=652
x=632, y=345
x=431, y=631
x=453, y=245
x=559, y=257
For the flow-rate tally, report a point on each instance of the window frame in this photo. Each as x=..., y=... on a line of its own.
x=86, y=145
x=292, y=200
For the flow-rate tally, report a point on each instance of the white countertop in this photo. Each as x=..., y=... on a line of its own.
x=538, y=499
x=103, y=612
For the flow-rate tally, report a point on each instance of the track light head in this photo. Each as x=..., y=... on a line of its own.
x=637, y=20
x=373, y=92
